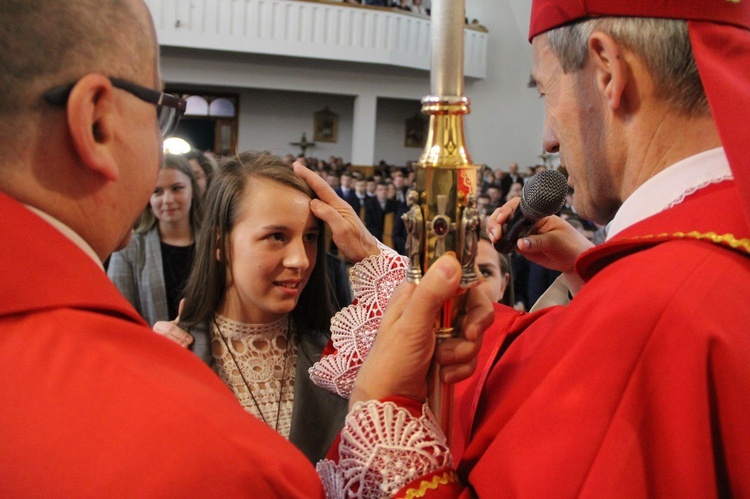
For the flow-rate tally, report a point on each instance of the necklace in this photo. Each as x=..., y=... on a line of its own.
x=248, y=386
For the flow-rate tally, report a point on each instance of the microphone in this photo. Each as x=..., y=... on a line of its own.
x=542, y=195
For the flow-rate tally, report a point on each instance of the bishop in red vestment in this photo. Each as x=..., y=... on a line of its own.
x=640, y=386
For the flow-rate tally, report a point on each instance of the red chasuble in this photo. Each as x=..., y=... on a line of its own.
x=95, y=404
x=640, y=386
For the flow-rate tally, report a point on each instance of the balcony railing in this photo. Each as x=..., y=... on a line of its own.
x=312, y=29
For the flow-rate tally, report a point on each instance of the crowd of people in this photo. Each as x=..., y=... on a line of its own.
x=381, y=198
x=152, y=270
x=421, y=7
x=415, y=6
x=637, y=387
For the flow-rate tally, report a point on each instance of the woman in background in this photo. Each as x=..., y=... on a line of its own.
x=152, y=270
x=495, y=270
x=203, y=167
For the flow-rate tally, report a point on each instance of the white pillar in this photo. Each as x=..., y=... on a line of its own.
x=363, y=132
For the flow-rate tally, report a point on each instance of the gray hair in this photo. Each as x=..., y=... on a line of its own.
x=662, y=44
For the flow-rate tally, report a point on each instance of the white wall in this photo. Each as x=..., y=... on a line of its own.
x=271, y=119
x=391, y=131
x=504, y=125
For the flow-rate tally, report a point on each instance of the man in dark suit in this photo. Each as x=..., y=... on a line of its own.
x=399, y=233
x=377, y=209
x=510, y=178
x=399, y=182
x=360, y=193
x=345, y=190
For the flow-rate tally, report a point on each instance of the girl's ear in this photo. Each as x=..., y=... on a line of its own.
x=218, y=246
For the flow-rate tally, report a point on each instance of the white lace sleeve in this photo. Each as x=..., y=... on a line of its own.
x=353, y=329
x=383, y=448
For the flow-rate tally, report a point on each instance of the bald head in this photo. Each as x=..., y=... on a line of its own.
x=90, y=163
x=47, y=43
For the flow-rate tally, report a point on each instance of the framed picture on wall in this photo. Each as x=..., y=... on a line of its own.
x=325, y=126
x=416, y=131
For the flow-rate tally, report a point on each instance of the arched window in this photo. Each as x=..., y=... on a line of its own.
x=210, y=121
x=221, y=107
x=196, y=106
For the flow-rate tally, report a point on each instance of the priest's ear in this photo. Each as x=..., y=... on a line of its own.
x=92, y=115
x=611, y=69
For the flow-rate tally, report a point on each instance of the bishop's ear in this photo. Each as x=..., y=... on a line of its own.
x=610, y=68
x=92, y=116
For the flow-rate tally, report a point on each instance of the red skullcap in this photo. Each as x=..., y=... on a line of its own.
x=720, y=38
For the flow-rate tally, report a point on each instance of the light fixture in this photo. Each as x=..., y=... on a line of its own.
x=176, y=145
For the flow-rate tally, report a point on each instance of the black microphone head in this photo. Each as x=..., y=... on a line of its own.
x=543, y=194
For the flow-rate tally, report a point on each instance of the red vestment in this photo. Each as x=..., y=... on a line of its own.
x=641, y=386
x=96, y=404
x=465, y=392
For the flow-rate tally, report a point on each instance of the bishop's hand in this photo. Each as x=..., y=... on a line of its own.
x=347, y=230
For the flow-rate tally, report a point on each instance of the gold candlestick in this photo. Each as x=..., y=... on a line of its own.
x=444, y=217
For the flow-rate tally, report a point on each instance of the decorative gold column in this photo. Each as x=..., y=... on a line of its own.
x=443, y=216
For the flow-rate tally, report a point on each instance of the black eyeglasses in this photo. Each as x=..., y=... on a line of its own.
x=169, y=108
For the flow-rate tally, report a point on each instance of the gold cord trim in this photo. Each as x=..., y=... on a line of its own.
x=742, y=245
x=446, y=478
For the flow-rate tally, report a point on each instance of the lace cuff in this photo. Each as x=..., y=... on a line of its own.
x=353, y=329
x=383, y=448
